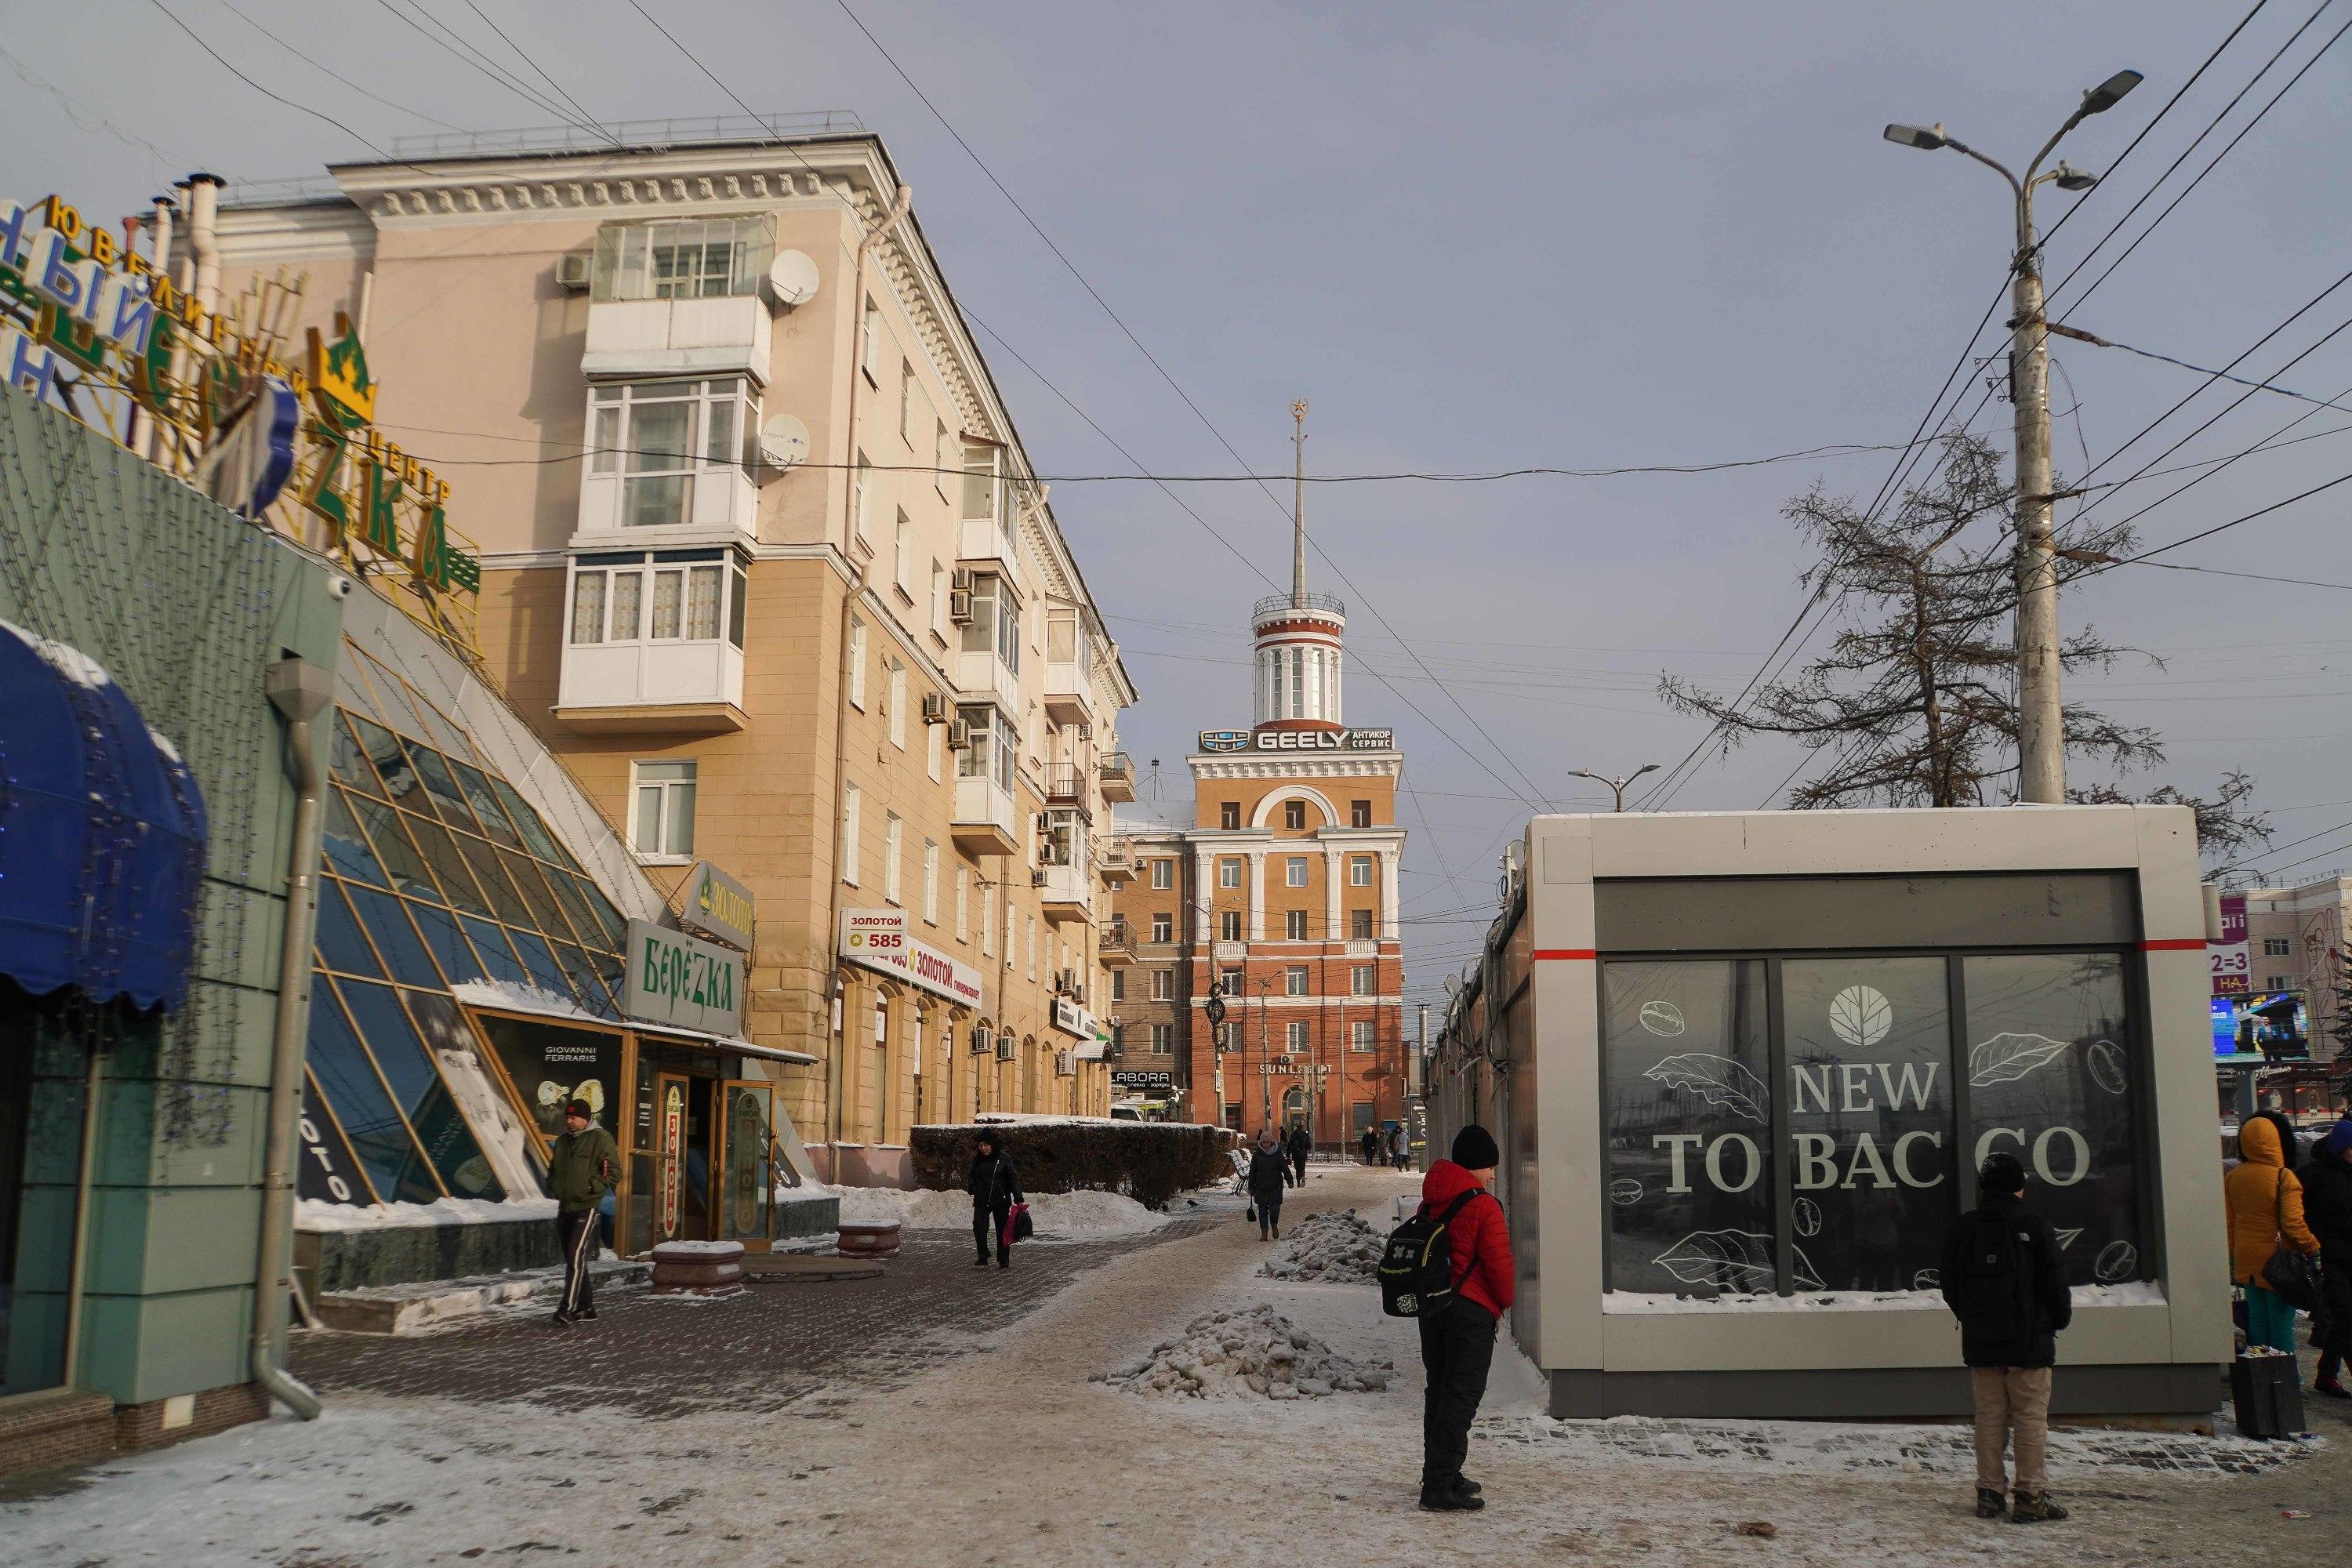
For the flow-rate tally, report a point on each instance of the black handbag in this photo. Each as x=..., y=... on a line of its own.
x=2265, y=1396
x=2292, y=1276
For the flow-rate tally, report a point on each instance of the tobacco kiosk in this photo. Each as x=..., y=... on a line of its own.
x=1743, y=1067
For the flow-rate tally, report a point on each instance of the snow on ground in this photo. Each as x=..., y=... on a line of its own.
x=1330, y=1244
x=1253, y=1352
x=1010, y=1455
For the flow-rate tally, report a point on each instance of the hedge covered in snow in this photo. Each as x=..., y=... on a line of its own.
x=1150, y=1161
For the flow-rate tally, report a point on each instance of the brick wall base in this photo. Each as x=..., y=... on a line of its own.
x=138, y=1426
x=67, y=1428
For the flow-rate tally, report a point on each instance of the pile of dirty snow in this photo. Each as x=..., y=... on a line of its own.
x=1333, y=1244
x=1092, y=1214
x=1255, y=1350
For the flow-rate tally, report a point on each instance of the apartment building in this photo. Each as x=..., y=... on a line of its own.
x=1279, y=902
x=765, y=564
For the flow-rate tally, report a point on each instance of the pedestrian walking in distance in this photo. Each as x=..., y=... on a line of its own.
x=2001, y=1278
x=1302, y=1144
x=583, y=1165
x=995, y=1187
x=2327, y=1209
x=1371, y=1142
x=1457, y=1341
x=1398, y=1147
x=1269, y=1171
x=2263, y=1198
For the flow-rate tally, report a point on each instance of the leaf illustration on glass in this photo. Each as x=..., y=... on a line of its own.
x=2106, y=1062
x=1927, y=1279
x=1719, y=1080
x=1859, y=1016
x=2066, y=1237
x=2118, y=1261
x=1732, y=1260
x=1624, y=1191
x=2006, y=1057
x=1661, y=1019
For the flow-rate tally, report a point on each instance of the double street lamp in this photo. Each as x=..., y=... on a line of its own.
x=1617, y=785
x=2041, y=719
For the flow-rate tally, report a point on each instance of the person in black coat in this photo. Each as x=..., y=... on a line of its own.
x=995, y=1187
x=2328, y=1210
x=2002, y=1279
x=1302, y=1144
x=1269, y=1171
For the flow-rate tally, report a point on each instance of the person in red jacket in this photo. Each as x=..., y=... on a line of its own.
x=1457, y=1341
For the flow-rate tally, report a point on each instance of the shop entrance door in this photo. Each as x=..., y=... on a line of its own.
x=684, y=1132
x=747, y=1164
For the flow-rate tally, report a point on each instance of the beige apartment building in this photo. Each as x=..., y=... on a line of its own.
x=765, y=564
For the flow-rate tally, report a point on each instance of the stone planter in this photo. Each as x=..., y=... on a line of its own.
x=879, y=1239
x=699, y=1268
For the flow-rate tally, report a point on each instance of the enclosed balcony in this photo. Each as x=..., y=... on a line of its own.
x=1069, y=668
x=654, y=644
x=677, y=337
x=1069, y=895
x=680, y=298
x=1117, y=773
x=667, y=459
x=986, y=818
x=1067, y=876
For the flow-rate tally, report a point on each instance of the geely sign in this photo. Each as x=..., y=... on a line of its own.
x=1298, y=740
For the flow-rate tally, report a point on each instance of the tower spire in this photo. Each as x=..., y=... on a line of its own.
x=1298, y=507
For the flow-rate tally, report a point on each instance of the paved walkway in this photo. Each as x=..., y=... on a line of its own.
x=771, y=1346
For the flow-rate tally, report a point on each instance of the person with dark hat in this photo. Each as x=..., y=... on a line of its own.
x=995, y=1187
x=2002, y=1281
x=583, y=1165
x=1457, y=1341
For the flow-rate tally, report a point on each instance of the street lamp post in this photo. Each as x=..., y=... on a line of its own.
x=1617, y=787
x=1264, y=1057
x=2041, y=719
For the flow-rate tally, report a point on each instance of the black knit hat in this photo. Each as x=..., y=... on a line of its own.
x=2001, y=1173
x=1474, y=1149
x=579, y=1108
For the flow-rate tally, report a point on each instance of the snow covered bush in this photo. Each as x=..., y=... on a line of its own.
x=1253, y=1353
x=1150, y=1161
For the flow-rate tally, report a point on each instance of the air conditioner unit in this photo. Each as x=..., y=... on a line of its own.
x=960, y=606
x=1064, y=1067
x=1037, y=878
x=958, y=735
x=935, y=707
x=1085, y=730
x=1078, y=993
x=572, y=271
x=1005, y=1047
x=980, y=1039
x=1065, y=980
x=961, y=580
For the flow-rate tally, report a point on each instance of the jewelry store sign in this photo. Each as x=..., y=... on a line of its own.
x=683, y=981
x=878, y=939
x=718, y=906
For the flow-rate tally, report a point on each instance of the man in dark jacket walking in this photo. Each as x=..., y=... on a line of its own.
x=995, y=1187
x=1457, y=1341
x=583, y=1165
x=1371, y=1141
x=2001, y=1278
x=1302, y=1144
x=1269, y=1172
x=2328, y=1210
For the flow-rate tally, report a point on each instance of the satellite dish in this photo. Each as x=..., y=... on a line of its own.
x=1452, y=984
x=783, y=442
x=794, y=277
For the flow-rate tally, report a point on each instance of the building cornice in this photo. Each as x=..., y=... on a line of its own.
x=1297, y=765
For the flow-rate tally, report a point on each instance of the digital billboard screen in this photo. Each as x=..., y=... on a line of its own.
x=2269, y=1023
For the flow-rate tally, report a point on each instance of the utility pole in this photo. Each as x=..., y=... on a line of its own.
x=1616, y=786
x=2040, y=713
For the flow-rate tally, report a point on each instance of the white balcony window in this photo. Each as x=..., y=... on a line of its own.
x=990, y=753
x=995, y=623
x=661, y=824
x=661, y=626
x=682, y=259
x=668, y=454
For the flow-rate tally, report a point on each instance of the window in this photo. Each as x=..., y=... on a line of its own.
x=851, y=801
x=681, y=259
x=987, y=923
x=1363, y=980
x=2275, y=947
x=1230, y=979
x=2278, y=983
x=945, y=458
x=663, y=823
x=1163, y=1039
x=1229, y=1035
x=658, y=438
x=857, y=664
x=1360, y=1037
x=1118, y=984
x=1032, y=947
x=938, y=596
x=1294, y=981
x=935, y=750
x=1162, y=928
x=861, y=488
x=1360, y=870
x=1359, y=813
x=1359, y=924
x=1163, y=874
x=910, y=394
x=1294, y=925
x=1294, y=871
x=1163, y=984
x=1229, y=926
x=1294, y=815
x=688, y=594
x=991, y=753
x=901, y=567
x=869, y=345
x=1294, y=1036
x=898, y=700
x=1229, y=873
x=995, y=623
x=931, y=881
x=963, y=907
x=1229, y=815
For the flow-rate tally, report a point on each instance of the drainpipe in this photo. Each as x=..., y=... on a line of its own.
x=81, y=1212
x=299, y=692
x=144, y=438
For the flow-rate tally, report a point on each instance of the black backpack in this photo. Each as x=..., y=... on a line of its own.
x=1416, y=1269
x=1997, y=1301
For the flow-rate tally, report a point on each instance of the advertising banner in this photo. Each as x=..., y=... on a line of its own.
x=878, y=939
x=1073, y=1019
x=2232, y=963
x=681, y=980
x=718, y=906
x=1141, y=1078
x=1298, y=740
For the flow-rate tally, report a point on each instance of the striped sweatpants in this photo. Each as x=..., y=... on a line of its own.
x=577, y=1233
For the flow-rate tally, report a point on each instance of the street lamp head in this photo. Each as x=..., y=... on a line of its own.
x=1646, y=768
x=2110, y=92
x=2070, y=178
x=1912, y=136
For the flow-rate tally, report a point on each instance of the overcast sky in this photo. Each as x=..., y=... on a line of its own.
x=1478, y=237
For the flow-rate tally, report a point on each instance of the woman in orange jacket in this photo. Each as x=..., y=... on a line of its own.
x=2264, y=1201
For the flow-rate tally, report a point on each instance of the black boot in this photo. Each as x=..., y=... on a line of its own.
x=2033, y=1508
x=1991, y=1503
x=1445, y=1495
x=1464, y=1484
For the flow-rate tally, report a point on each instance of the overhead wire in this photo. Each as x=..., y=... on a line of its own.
x=318, y=65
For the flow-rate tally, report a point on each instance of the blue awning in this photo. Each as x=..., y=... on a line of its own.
x=101, y=833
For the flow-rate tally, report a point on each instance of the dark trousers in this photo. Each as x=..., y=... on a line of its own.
x=986, y=1223
x=578, y=1234
x=1269, y=1212
x=1298, y=1160
x=1457, y=1346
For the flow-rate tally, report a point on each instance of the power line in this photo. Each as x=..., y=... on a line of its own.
x=275, y=97
x=75, y=108
x=467, y=54
x=525, y=55
x=319, y=65
x=2062, y=330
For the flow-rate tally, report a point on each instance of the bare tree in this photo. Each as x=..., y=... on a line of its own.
x=2226, y=828
x=1913, y=698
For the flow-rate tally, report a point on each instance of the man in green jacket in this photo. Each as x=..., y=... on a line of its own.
x=582, y=1166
